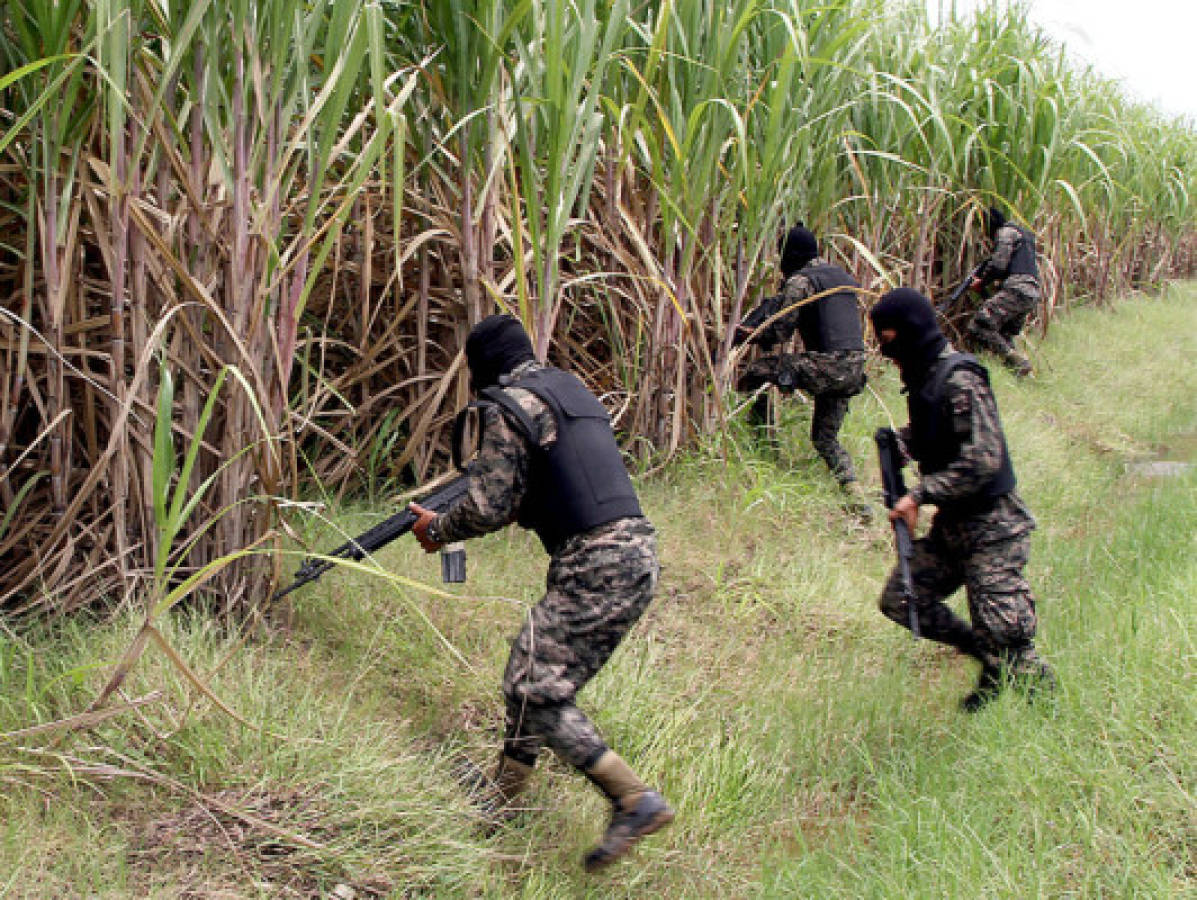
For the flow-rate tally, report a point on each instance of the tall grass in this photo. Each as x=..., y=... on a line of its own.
x=810, y=747
x=328, y=197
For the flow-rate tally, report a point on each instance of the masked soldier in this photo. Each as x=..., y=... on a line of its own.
x=548, y=460
x=1002, y=316
x=831, y=365
x=980, y=535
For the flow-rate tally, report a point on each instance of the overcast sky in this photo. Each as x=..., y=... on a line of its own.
x=1148, y=45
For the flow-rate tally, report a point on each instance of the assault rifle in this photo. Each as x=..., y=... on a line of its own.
x=894, y=489
x=452, y=556
x=943, y=307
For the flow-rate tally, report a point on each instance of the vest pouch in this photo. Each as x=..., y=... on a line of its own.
x=605, y=473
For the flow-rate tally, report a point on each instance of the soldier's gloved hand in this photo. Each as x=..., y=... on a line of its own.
x=420, y=528
x=763, y=371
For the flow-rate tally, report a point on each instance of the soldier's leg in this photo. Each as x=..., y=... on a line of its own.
x=762, y=413
x=826, y=421
x=817, y=376
x=593, y=599
x=986, y=330
x=1002, y=609
x=1014, y=325
x=998, y=322
x=935, y=576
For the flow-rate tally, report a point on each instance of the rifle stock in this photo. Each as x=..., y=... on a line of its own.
x=894, y=488
x=453, y=569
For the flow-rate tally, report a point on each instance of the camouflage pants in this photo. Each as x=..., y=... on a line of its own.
x=831, y=378
x=1002, y=317
x=598, y=585
x=1000, y=603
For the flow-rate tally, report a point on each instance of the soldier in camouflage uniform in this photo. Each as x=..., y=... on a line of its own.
x=548, y=460
x=1001, y=318
x=831, y=365
x=980, y=535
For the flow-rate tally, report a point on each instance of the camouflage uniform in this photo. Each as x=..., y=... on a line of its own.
x=984, y=551
x=1002, y=317
x=598, y=585
x=830, y=377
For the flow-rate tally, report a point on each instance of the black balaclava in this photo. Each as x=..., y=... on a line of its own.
x=994, y=219
x=496, y=345
x=797, y=248
x=919, y=340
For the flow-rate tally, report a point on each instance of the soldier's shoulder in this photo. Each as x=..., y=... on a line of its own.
x=967, y=372
x=536, y=410
x=963, y=389
x=968, y=377
x=528, y=401
x=797, y=286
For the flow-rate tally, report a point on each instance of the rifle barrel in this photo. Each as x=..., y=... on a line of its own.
x=377, y=537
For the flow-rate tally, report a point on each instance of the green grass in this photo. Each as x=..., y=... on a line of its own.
x=810, y=747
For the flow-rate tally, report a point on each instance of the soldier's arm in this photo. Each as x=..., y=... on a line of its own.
x=1004, y=245
x=498, y=482
x=904, y=438
x=974, y=418
x=797, y=288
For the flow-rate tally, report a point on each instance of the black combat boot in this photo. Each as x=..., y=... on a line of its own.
x=636, y=810
x=1017, y=363
x=856, y=501
x=989, y=685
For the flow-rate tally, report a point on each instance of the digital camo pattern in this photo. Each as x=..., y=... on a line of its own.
x=796, y=289
x=837, y=373
x=831, y=377
x=1005, y=243
x=1001, y=318
x=599, y=584
x=499, y=473
x=985, y=553
x=974, y=416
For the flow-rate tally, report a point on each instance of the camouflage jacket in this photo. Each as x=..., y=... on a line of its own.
x=975, y=421
x=796, y=289
x=1005, y=242
x=499, y=474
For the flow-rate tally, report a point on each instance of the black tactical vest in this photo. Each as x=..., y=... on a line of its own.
x=1023, y=261
x=935, y=444
x=832, y=323
x=580, y=481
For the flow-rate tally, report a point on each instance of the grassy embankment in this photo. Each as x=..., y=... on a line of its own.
x=810, y=747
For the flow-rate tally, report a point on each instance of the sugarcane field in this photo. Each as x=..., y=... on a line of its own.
x=596, y=448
